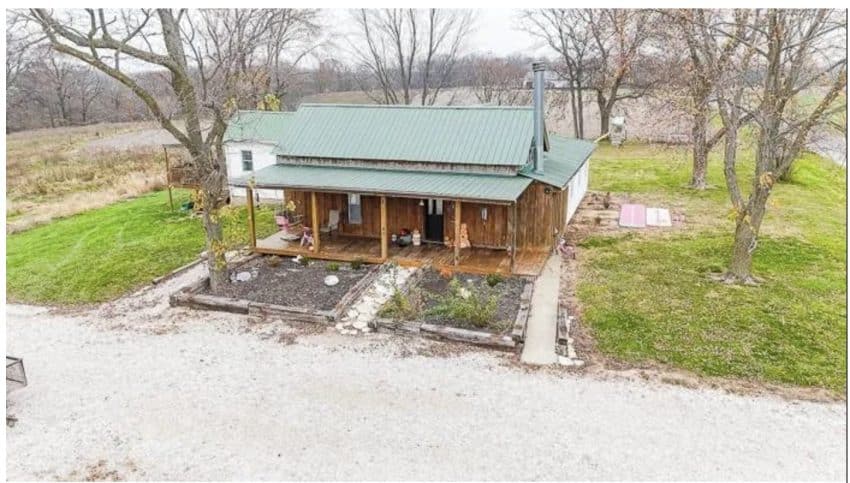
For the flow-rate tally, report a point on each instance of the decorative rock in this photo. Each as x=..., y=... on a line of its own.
x=331, y=280
x=243, y=276
x=339, y=326
x=464, y=292
x=360, y=324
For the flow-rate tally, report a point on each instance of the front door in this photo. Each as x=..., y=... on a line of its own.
x=434, y=220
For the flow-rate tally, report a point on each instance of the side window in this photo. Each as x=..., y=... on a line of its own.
x=247, y=161
x=355, y=215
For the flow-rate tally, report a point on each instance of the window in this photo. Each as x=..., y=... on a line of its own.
x=247, y=161
x=435, y=207
x=355, y=215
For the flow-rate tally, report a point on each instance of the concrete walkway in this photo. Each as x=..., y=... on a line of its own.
x=540, y=331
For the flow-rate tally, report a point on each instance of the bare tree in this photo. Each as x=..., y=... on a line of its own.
x=794, y=52
x=88, y=85
x=400, y=50
x=567, y=32
x=708, y=58
x=618, y=35
x=58, y=72
x=256, y=48
x=497, y=80
x=203, y=85
x=20, y=42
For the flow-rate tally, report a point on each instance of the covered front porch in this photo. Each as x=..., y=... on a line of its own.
x=349, y=248
x=458, y=222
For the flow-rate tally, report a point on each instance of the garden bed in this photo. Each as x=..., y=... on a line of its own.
x=278, y=286
x=484, y=310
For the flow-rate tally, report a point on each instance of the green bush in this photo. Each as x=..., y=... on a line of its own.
x=304, y=261
x=401, y=306
x=333, y=267
x=494, y=279
x=274, y=261
x=356, y=263
x=466, y=305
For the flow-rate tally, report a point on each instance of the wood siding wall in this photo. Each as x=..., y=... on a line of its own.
x=406, y=213
x=492, y=233
x=541, y=217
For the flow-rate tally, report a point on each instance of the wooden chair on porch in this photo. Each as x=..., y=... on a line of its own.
x=333, y=223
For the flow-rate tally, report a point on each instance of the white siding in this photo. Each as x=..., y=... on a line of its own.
x=577, y=187
x=262, y=157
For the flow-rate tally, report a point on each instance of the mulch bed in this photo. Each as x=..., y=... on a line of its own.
x=291, y=284
x=507, y=294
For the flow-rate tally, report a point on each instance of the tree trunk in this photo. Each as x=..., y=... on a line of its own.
x=214, y=189
x=747, y=226
x=740, y=269
x=604, y=113
x=580, y=102
x=574, y=110
x=216, y=248
x=700, y=149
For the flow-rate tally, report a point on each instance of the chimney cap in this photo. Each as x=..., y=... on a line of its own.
x=538, y=66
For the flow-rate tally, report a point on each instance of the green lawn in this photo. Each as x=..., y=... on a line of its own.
x=650, y=297
x=103, y=253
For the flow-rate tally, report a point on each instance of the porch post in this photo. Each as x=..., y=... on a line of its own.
x=513, y=235
x=252, y=230
x=385, y=243
x=314, y=212
x=457, y=232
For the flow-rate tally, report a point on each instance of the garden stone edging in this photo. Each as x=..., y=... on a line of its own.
x=364, y=307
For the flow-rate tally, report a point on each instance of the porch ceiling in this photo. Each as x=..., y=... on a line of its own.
x=479, y=187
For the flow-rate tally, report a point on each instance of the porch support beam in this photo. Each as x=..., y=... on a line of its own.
x=385, y=244
x=252, y=229
x=314, y=212
x=457, y=232
x=512, y=234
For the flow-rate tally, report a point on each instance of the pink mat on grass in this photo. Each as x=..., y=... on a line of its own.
x=633, y=216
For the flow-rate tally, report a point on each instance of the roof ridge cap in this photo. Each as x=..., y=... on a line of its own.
x=404, y=106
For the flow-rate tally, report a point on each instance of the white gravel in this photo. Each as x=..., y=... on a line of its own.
x=138, y=390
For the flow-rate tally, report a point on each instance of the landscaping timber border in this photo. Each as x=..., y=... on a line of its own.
x=190, y=296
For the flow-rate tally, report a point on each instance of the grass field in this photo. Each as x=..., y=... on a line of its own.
x=100, y=254
x=52, y=173
x=649, y=297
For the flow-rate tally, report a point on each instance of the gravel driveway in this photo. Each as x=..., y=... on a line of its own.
x=137, y=390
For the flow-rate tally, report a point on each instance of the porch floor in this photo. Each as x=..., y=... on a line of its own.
x=347, y=248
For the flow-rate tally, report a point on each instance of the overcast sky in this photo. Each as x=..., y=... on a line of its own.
x=495, y=31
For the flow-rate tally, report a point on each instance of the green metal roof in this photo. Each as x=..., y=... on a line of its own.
x=433, y=184
x=259, y=126
x=467, y=135
x=563, y=160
